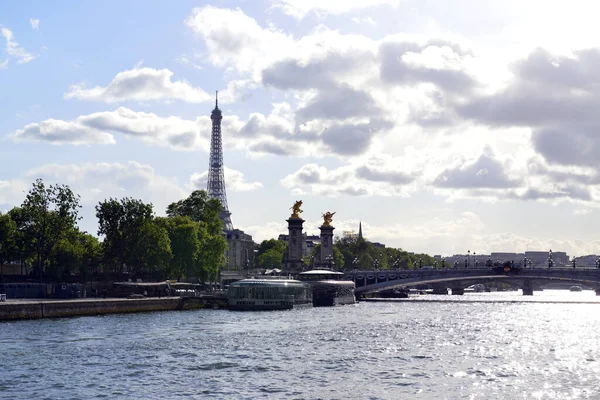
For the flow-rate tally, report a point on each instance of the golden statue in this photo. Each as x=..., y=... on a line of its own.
x=296, y=209
x=327, y=218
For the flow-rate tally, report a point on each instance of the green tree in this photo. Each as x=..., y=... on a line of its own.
x=270, y=253
x=153, y=250
x=185, y=245
x=266, y=245
x=121, y=223
x=49, y=213
x=77, y=253
x=8, y=234
x=199, y=208
x=212, y=245
x=24, y=241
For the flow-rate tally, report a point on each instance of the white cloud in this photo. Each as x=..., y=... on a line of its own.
x=376, y=176
x=99, y=181
x=99, y=128
x=35, y=23
x=13, y=49
x=62, y=132
x=140, y=84
x=234, y=181
x=300, y=8
x=236, y=40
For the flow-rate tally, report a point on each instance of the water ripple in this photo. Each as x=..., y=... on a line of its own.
x=427, y=349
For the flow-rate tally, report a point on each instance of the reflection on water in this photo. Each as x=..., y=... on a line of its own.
x=461, y=347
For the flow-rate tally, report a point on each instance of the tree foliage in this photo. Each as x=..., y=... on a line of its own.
x=361, y=254
x=8, y=239
x=48, y=213
x=198, y=208
x=122, y=223
x=270, y=253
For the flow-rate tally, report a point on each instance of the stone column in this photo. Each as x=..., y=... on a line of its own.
x=458, y=291
x=294, y=262
x=527, y=288
x=327, y=246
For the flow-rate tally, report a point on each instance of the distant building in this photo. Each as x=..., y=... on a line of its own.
x=240, y=250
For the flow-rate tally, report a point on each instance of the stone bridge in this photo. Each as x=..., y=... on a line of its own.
x=457, y=279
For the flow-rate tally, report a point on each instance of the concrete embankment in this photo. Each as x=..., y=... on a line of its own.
x=35, y=309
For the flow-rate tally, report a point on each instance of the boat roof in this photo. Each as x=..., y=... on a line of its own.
x=321, y=272
x=266, y=282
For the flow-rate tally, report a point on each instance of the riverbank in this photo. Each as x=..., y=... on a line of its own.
x=42, y=308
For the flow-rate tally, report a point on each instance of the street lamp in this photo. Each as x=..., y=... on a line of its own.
x=397, y=263
x=355, y=263
x=550, y=260
x=468, y=264
x=443, y=263
x=455, y=263
x=524, y=262
x=420, y=263
x=598, y=263
x=376, y=264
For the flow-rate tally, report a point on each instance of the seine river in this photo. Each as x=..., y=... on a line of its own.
x=483, y=346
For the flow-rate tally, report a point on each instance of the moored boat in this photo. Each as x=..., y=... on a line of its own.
x=268, y=294
x=328, y=288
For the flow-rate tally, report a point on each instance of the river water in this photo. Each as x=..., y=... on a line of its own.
x=482, y=346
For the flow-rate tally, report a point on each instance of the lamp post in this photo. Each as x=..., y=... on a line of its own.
x=355, y=263
x=574, y=262
x=455, y=264
x=397, y=263
x=247, y=267
x=524, y=262
x=420, y=263
x=550, y=260
x=376, y=264
x=598, y=263
x=489, y=263
x=468, y=259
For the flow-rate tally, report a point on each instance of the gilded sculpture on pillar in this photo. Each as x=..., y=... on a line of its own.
x=296, y=210
x=327, y=218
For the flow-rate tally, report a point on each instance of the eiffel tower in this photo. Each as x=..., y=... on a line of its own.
x=216, y=179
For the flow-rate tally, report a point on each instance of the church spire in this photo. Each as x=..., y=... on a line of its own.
x=360, y=236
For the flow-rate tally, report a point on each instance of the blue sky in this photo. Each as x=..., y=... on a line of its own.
x=442, y=128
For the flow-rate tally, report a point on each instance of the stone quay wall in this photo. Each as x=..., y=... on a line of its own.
x=17, y=310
